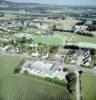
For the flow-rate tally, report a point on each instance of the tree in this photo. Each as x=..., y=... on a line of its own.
x=80, y=73
x=22, y=43
x=54, y=27
x=20, y=28
x=94, y=22
x=23, y=40
x=41, y=49
x=13, y=43
x=19, y=48
x=16, y=70
x=71, y=79
x=23, y=47
x=53, y=49
x=65, y=70
x=5, y=42
x=30, y=40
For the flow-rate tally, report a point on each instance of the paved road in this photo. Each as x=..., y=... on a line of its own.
x=78, y=87
x=78, y=68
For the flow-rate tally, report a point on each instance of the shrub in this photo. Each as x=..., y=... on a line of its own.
x=18, y=68
x=71, y=82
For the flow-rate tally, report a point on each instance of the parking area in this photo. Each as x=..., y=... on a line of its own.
x=87, y=58
x=71, y=56
x=80, y=57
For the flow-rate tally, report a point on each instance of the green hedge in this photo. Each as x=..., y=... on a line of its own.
x=56, y=81
x=18, y=68
x=86, y=66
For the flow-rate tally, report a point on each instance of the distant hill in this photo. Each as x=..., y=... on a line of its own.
x=5, y=4
x=17, y=5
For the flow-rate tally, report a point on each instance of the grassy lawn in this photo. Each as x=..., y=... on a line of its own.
x=51, y=40
x=22, y=87
x=89, y=86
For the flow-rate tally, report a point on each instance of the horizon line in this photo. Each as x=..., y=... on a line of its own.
x=72, y=5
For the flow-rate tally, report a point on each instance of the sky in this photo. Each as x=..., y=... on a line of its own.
x=60, y=2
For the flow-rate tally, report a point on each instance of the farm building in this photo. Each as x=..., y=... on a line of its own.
x=44, y=69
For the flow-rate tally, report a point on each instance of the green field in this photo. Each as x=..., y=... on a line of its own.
x=65, y=35
x=76, y=38
x=48, y=40
x=54, y=40
x=25, y=87
x=89, y=86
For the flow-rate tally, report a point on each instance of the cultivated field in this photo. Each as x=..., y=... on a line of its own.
x=89, y=86
x=25, y=87
x=67, y=21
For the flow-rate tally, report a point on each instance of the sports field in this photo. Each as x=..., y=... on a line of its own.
x=89, y=86
x=59, y=38
x=51, y=40
x=25, y=87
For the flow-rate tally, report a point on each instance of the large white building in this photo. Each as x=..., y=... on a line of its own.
x=44, y=69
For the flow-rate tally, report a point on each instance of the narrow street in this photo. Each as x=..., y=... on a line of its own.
x=78, y=87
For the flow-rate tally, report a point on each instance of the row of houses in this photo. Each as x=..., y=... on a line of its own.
x=17, y=23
